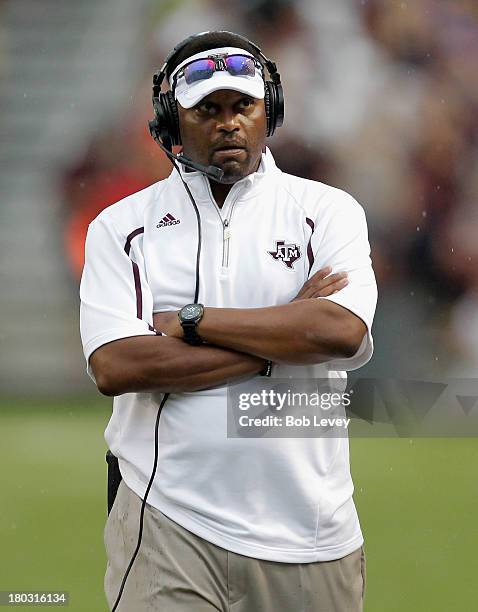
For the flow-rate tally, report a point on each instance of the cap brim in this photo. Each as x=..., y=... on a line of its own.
x=192, y=94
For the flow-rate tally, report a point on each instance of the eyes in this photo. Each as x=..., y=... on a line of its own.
x=209, y=108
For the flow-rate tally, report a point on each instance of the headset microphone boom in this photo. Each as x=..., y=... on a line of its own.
x=213, y=172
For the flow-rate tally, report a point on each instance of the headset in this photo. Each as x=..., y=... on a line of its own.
x=164, y=129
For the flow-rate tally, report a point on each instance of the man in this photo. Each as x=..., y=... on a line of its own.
x=240, y=524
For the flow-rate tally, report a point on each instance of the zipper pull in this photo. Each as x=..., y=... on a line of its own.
x=227, y=231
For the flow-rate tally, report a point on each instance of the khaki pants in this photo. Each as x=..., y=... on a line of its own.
x=177, y=571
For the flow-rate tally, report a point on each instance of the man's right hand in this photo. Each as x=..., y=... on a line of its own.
x=322, y=284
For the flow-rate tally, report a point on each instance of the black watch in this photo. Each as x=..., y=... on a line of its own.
x=189, y=317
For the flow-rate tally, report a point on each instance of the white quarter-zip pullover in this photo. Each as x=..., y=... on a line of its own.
x=282, y=499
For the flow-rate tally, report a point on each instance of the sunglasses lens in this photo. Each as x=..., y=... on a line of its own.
x=199, y=70
x=240, y=65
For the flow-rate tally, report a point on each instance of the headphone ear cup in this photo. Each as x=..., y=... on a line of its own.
x=173, y=117
x=278, y=105
x=274, y=103
x=268, y=107
x=167, y=119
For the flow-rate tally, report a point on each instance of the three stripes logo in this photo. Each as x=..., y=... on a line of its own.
x=168, y=220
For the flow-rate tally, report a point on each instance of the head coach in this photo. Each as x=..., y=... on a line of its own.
x=229, y=269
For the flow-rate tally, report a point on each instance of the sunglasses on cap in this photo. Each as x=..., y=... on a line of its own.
x=201, y=69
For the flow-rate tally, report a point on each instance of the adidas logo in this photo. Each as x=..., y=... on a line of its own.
x=168, y=220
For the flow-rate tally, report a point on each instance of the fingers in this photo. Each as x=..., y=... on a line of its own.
x=320, y=274
x=332, y=282
x=336, y=283
x=330, y=289
x=323, y=284
x=317, y=280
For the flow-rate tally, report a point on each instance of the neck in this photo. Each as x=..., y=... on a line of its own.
x=220, y=191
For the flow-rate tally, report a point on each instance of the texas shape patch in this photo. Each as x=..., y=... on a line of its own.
x=288, y=253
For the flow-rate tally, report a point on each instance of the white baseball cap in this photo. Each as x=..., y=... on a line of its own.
x=188, y=95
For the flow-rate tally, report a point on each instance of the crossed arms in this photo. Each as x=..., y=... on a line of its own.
x=238, y=341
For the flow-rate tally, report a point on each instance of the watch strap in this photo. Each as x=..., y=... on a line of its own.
x=190, y=333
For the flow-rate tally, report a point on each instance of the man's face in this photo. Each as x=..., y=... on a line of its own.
x=226, y=129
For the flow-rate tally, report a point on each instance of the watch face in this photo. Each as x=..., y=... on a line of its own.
x=190, y=312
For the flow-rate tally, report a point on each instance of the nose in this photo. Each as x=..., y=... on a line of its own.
x=228, y=121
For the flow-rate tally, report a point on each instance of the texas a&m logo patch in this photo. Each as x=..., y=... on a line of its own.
x=288, y=253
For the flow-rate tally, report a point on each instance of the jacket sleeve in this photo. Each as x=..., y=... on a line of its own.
x=115, y=299
x=340, y=240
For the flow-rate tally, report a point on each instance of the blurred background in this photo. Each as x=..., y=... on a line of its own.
x=381, y=100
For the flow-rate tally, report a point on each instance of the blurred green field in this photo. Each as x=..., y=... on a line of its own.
x=417, y=501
